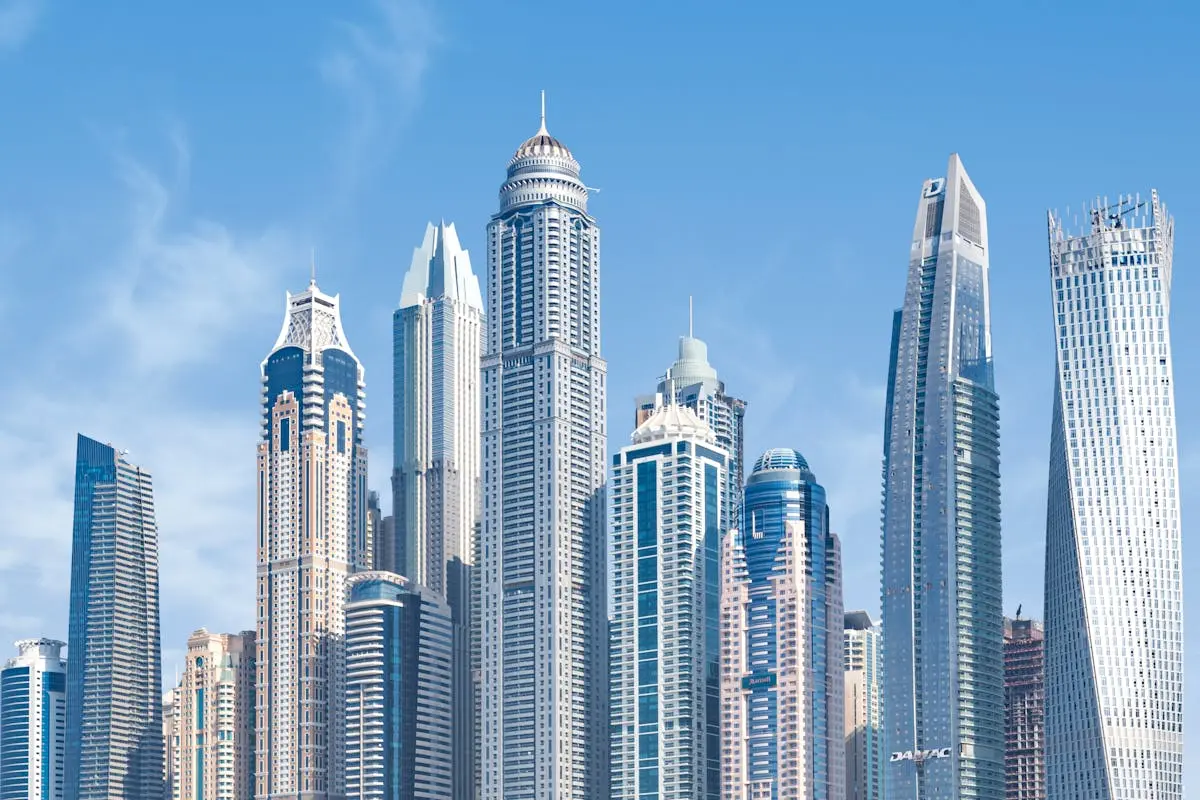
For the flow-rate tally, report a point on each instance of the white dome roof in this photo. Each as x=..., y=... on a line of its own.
x=673, y=421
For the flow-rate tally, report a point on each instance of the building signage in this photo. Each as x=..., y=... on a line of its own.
x=759, y=680
x=921, y=755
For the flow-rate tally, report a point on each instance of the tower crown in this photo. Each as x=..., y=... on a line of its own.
x=541, y=170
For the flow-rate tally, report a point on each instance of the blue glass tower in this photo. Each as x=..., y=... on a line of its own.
x=941, y=592
x=33, y=738
x=114, y=672
x=399, y=736
x=781, y=619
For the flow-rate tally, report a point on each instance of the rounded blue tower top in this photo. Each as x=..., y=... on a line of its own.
x=780, y=459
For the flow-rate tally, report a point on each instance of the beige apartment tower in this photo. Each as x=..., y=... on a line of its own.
x=213, y=719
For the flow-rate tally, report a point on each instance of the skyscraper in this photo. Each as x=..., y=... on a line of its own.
x=437, y=344
x=941, y=594
x=114, y=664
x=33, y=722
x=668, y=492
x=170, y=711
x=782, y=672
x=866, y=760
x=312, y=498
x=399, y=735
x=1024, y=709
x=543, y=587
x=691, y=381
x=1114, y=583
x=214, y=718
x=376, y=545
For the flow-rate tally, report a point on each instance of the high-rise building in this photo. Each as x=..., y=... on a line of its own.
x=782, y=671
x=941, y=593
x=214, y=718
x=114, y=661
x=543, y=585
x=33, y=722
x=1114, y=582
x=171, y=741
x=866, y=760
x=375, y=533
x=437, y=344
x=399, y=737
x=692, y=382
x=312, y=507
x=1024, y=709
x=665, y=690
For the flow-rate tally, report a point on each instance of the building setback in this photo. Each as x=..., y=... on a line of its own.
x=668, y=491
x=33, y=722
x=399, y=646
x=214, y=718
x=1114, y=580
x=942, y=610
x=312, y=509
x=782, y=663
x=1024, y=709
x=114, y=662
x=866, y=759
x=544, y=588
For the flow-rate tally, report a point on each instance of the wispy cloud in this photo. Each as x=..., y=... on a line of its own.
x=18, y=19
x=145, y=366
x=378, y=67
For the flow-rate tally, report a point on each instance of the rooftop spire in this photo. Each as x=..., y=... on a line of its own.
x=312, y=281
x=542, y=130
x=690, y=336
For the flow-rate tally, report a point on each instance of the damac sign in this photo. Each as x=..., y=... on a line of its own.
x=921, y=755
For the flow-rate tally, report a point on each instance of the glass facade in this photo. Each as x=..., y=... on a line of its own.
x=114, y=684
x=664, y=690
x=782, y=659
x=866, y=759
x=399, y=644
x=1114, y=582
x=941, y=572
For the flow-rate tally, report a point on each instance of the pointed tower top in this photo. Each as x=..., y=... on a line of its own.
x=542, y=129
x=312, y=280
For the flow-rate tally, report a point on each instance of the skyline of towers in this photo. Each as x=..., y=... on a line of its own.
x=1024, y=709
x=114, y=660
x=543, y=567
x=312, y=498
x=399, y=691
x=1114, y=583
x=33, y=722
x=782, y=660
x=692, y=382
x=941, y=572
x=668, y=490
x=212, y=735
x=866, y=759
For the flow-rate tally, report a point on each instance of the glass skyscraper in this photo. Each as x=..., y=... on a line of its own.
x=437, y=343
x=114, y=662
x=543, y=584
x=312, y=510
x=33, y=722
x=1114, y=580
x=941, y=593
x=668, y=490
x=1024, y=709
x=399, y=645
x=866, y=760
x=692, y=382
x=782, y=659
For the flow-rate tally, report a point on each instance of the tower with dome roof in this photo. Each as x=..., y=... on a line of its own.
x=543, y=585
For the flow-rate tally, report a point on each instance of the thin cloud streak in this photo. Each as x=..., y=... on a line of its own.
x=18, y=20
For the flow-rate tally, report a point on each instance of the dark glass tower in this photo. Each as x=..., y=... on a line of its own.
x=941, y=593
x=114, y=664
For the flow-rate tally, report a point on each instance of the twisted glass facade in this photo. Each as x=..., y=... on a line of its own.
x=941, y=588
x=114, y=672
x=1114, y=581
x=782, y=678
x=665, y=660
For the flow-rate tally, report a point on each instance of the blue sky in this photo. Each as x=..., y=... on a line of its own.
x=166, y=172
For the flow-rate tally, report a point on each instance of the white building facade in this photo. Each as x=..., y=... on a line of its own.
x=1114, y=583
x=33, y=722
x=543, y=562
x=668, y=488
x=312, y=472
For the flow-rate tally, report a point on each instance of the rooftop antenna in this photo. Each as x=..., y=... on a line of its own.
x=542, y=129
x=313, y=279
